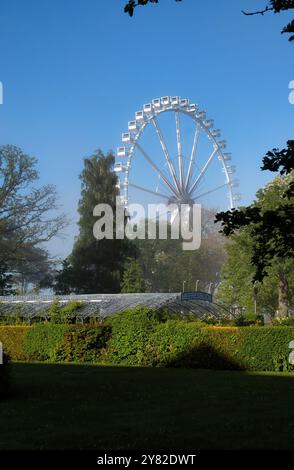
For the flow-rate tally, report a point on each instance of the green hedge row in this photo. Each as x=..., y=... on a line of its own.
x=51, y=342
x=243, y=348
x=143, y=337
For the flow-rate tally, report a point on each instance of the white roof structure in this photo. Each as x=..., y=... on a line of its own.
x=100, y=306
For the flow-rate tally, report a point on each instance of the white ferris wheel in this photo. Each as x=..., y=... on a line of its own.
x=173, y=154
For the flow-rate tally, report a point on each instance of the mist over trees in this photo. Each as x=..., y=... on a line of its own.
x=250, y=263
x=265, y=231
x=127, y=266
x=166, y=266
x=94, y=265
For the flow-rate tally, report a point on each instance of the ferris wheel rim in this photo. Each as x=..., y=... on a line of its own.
x=201, y=124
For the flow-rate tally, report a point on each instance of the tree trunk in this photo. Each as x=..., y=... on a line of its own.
x=283, y=308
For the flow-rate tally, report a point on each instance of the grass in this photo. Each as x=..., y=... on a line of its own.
x=58, y=406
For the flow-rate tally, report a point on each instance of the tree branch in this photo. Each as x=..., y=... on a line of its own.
x=261, y=12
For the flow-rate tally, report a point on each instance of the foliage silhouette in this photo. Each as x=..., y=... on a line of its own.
x=275, y=6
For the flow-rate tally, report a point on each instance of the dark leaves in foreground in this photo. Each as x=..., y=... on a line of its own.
x=132, y=4
x=272, y=230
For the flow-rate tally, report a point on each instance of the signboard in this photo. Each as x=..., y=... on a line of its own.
x=196, y=296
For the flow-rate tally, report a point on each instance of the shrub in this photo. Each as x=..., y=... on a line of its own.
x=65, y=342
x=43, y=341
x=13, y=338
x=250, y=318
x=64, y=315
x=144, y=337
x=83, y=344
x=169, y=341
x=130, y=332
x=281, y=363
x=11, y=320
x=250, y=348
x=289, y=321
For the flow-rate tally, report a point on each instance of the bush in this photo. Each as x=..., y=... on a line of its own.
x=130, y=333
x=65, y=343
x=83, y=344
x=249, y=319
x=144, y=337
x=283, y=321
x=248, y=348
x=64, y=315
x=43, y=341
x=13, y=338
x=169, y=341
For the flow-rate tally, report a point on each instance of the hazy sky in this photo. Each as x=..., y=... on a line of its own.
x=75, y=72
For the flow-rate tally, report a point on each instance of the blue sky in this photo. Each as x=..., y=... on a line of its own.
x=75, y=72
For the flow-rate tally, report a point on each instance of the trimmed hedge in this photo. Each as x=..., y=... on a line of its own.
x=13, y=338
x=249, y=348
x=54, y=342
x=130, y=333
x=143, y=337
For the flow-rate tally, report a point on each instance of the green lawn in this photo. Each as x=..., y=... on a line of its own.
x=91, y=407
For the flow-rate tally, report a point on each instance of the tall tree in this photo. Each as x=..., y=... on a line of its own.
x=132, y=280
x=32, y=269
x=28, y=213
x=94, y=266
x=5, y=280
x=237, y=286
x=270, y=220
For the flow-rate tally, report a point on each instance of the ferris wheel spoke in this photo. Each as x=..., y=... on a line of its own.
x=180, y=156
x=193, y=153
x=203, y=171
x=156, y=169
x=166, y=154
x=178, y=181
x=135, y=186
x=198, y=196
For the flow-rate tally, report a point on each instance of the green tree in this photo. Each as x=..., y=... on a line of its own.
x=132, y=280
x=269, y=222
x=5, y=280
x=28, y=213
x=63, y=281
x=32, y=269
x=237, y=286
x=165, y=264
x=94, y=265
